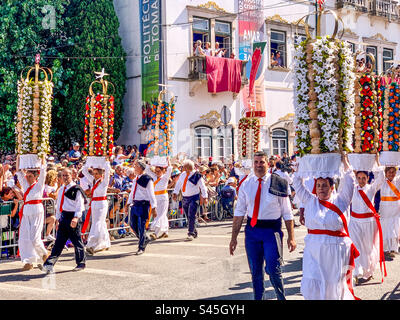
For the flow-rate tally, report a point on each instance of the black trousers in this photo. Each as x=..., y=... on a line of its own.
x=139, y=217
x=64, y=233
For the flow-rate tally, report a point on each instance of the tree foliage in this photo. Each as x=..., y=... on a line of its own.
x=69, y=28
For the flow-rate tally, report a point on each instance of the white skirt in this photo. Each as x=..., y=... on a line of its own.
x=390, y=221
x=325, y=264
x=30, y=244
x=364, y=234
x=98, y=236
x=160, y=224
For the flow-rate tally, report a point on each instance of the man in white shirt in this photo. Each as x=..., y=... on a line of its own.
x=192, y=184
x=263, y=234
x=141, y=198
x=70, y=205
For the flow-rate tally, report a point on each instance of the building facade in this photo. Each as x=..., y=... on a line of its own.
x=371, y=26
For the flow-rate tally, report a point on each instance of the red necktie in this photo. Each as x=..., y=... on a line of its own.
x=184, y=183
x=62, y=199
x=134, y=191
x=254, y=218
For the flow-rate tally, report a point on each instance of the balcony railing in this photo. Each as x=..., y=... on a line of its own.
x=197, y=69
x=383, y=8
x=360, y=5
x=388, y=9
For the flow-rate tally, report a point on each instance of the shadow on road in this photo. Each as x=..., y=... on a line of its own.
x=392, y=295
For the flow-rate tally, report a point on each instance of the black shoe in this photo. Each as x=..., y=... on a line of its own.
x=79, y=268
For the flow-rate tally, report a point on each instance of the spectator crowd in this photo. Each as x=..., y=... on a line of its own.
x=221, y=179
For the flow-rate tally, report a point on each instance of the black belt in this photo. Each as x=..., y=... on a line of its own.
x=266, y=224
x=140, y=203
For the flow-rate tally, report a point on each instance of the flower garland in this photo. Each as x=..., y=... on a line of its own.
x=324, y=102
x=111, y=119
x=346, y=92
x=301, y=99
x=391, y=118
x=249, y=136
x=366, y=133
x=33, y=117
x=99, y=125
x=161, y=131
x=380, y=106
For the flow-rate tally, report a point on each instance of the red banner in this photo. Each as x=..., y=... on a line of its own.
x=255, y=63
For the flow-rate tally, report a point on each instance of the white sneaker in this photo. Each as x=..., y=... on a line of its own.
x=50, y=238
x=190, y=238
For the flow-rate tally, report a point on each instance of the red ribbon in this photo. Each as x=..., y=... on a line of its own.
x=353, y=250
x=86, y=223
x=240, y=183
x=377, y=219
x=314, y=190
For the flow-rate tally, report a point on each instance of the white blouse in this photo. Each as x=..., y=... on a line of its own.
x=318, y=216
x=358, y=205
x=162, y=184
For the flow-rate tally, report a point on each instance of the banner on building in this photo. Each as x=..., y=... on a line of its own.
x=251, y=36
x=150, y=21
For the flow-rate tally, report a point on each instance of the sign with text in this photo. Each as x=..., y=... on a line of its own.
x=251, y=35
x=150, y=21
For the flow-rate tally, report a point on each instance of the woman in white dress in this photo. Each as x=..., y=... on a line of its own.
x=161, y=175
x=30, y=244
x=99, y=238
x=328, y=251
x=389, y=210
x=363, y=226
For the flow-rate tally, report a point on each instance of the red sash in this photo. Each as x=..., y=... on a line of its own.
x=240, y=183
x=87, y=219
x=353, y=250
x=21, y=212
x=377, y=219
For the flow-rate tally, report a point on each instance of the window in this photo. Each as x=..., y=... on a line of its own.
x=372, y=50
x=278, y=49
x=225, y=143
x=203, y=142
x=201, y=31
x=223, y=34
x=352, y=46
x=387, y=56
x=279, y=141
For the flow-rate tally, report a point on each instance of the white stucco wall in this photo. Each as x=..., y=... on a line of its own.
x=278, y=84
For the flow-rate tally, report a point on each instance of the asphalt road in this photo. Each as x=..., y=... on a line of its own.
x=171, y=268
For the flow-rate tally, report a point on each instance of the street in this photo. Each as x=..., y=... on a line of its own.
x=172, y=269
